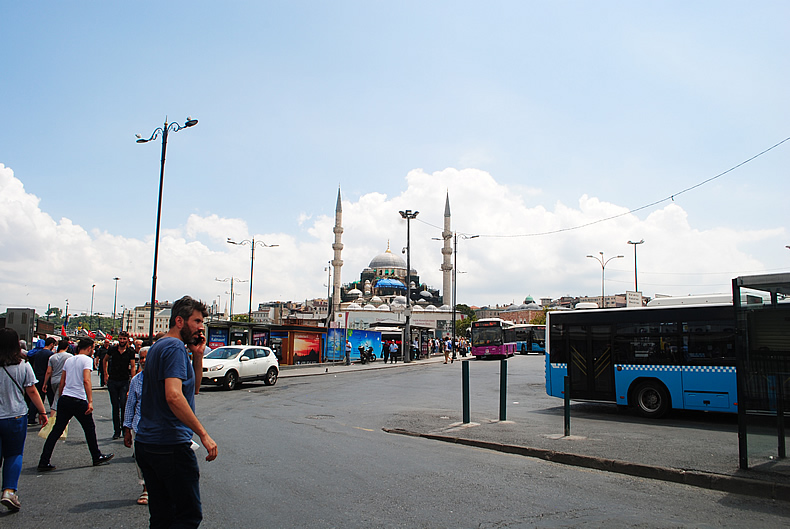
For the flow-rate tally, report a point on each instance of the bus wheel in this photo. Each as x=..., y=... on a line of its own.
x=651, y=399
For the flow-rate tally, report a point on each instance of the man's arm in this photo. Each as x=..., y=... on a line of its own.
x=197, y=363
x=104, y=362
x=180, y=407
x=46, y=379
x=86, y=382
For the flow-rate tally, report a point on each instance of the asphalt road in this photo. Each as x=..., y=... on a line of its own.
x=311, y=452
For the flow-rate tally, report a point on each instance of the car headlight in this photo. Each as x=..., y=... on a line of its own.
x=216, y=367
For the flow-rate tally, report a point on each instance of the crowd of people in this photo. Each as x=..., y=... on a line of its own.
x=155, y=415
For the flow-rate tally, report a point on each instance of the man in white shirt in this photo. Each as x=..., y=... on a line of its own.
x=76, y=401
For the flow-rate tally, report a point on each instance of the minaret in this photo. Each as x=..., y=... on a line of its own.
x=447, y=256
x=337, y=262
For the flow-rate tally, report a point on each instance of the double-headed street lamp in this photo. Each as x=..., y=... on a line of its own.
x=232, y=280
x=252, y=242
x=409, y=215
x=93, y=289
x=636, y=288
x=603, y=268
x=164, y=131
x=114, y=302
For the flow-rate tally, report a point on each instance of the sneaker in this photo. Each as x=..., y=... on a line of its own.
x=104, y=458
x=11, y=501
x=45, y=468
x=116, y=436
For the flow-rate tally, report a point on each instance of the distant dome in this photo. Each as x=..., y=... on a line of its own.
x=353, y=306
x=384, y=307
x=445, y=307
x=375, y=299
x=369, y=307
x=387, y=260
x=355, y=292
x=426, y=294
x=417, y=308
x=399, y=300
x=430, y=308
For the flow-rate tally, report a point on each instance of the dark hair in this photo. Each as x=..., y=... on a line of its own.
x=123, y=333
x=184, y=308
x=10, y=350
x=84, y=343
x=63, y=345
x=50, y=341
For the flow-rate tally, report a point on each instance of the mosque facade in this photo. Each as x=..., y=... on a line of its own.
x=379, y=295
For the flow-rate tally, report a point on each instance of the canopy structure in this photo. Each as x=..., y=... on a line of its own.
x=763, y=368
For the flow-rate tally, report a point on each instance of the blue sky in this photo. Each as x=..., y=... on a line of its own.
x=533, y=116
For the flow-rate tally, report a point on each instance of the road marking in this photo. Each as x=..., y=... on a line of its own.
x=366, y=429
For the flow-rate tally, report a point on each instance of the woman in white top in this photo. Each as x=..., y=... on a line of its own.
x=76, y=400
x=13, y=412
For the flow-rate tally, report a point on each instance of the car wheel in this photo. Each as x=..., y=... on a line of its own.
x=231, y=380
x=651, y=399
x=271, y=377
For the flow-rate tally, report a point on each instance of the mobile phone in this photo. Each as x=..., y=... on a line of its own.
x=197, y=339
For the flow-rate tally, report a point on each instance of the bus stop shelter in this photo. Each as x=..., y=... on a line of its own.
x=763, y=370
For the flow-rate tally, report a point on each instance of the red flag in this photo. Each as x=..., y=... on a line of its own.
x=63, y=331
x=92, y=334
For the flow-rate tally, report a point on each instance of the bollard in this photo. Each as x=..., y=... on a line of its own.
x=503, y=389
x=780, y=416
x=465, y=385
x=567, y=406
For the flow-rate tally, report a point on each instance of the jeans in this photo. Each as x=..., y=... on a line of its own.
x=172, y=477
x=118, y=389
x=69, y=407
x=12, y=443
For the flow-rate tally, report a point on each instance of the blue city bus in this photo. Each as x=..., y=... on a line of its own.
x=653, y=359
x=530, y=338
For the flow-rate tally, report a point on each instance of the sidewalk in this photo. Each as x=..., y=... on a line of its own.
x=698, y=454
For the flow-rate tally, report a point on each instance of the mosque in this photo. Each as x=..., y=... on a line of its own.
x=379, y=295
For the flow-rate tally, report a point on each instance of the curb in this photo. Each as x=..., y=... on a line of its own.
x=313, y=371
x=695, y=478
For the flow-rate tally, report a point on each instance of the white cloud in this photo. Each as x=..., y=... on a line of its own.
x=44, y=261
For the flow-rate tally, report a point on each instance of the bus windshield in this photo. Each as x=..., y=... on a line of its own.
x=486, y=336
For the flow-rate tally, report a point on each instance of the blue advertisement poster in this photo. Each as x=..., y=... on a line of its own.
x=217, y=337
x=335, y=343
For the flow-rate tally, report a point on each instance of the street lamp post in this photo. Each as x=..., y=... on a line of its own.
x=231, y=279
x=328, y=270
x=114, y=302
x=252, y=244
x=164, y=131
x=409, y=215
x=455, y=271
x=603, y=262
x=636, y=288
x=93, y=289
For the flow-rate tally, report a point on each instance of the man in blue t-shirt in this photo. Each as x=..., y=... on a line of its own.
x=167, y=419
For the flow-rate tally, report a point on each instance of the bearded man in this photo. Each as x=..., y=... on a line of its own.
x=163, y=445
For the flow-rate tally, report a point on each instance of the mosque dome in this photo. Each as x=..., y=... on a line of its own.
x=353, y=306
x=375, y=299
x=387, y=260
x=445, y=307
x=355, y=292
x=384, y=307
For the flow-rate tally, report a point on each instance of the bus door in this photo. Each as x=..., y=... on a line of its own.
x=590, y=364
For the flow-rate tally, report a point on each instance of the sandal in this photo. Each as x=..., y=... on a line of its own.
x=143, y=499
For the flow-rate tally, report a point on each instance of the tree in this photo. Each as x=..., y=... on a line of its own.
x=462, y=326
x=240, y=317
x=540, y=319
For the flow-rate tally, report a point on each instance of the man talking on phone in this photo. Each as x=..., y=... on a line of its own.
x=167, y=420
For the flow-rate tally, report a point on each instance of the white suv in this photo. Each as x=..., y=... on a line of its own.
x=230, y=366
